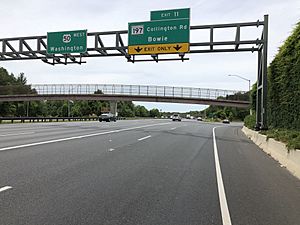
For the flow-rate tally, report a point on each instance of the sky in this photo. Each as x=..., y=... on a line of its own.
x=37, y=17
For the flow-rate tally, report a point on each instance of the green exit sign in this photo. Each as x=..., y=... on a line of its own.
x=159, y=32
x=170, y=14
x=67, y=42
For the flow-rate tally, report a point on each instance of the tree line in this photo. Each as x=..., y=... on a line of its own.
x=225, y=112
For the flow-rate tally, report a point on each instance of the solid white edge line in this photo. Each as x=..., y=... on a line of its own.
x=143, y=138
x=5, y=188
x=78, y=137
x=222, y=196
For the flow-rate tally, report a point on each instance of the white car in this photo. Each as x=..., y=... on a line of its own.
x=176, y=117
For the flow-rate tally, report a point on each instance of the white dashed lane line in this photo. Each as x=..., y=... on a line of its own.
x=5, y=188
x=143, y=138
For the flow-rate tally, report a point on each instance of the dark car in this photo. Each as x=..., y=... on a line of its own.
x=107, y=117
x=176, y=117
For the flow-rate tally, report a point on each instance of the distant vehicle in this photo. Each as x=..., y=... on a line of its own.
x=199, y=118
x=226, y=121
x=107, y=117
x=176, y=117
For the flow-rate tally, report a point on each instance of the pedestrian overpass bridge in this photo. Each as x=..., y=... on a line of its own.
x=119, y=92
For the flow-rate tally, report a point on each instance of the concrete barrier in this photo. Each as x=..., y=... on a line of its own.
x=278, y=151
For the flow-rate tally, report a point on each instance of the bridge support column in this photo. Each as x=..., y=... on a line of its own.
x=113, y=107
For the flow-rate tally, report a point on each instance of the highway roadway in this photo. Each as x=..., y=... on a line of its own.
x=141, y=172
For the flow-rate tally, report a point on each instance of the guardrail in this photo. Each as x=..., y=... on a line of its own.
x=50, y=119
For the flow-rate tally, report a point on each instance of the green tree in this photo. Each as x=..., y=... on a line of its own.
x=21, y=79
x=154, y=113
x=141, y=111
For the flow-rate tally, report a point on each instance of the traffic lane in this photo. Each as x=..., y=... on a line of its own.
x=35, y=160
x=28, y=160
x=24, y=160
x=25, y=167
x=166, y=179
x=63, y=130
x=258, y=190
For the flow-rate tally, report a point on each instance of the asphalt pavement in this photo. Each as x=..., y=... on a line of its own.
x=141, y=172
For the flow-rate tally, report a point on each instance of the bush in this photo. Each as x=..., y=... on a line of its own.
x=290, y=137
x=250, y=121
x=294, y=143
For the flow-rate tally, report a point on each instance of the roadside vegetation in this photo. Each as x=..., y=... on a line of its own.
x=217, y=113
x=290, y=137
x=283, y=94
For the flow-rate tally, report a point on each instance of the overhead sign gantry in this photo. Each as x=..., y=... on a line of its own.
x=166, y=35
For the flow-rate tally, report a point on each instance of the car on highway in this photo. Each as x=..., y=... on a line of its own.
x=226, y=121
x=107, y=117
x=199, y=118
x=176, y=117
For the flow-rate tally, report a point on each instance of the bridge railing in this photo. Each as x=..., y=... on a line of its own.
x=139, y=90
x=118, y=89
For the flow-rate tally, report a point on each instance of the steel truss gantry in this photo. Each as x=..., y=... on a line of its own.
x=34, y=47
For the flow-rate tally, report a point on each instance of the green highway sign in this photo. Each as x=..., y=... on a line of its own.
x=67, y=42
x=170, y=14
x=167, y=32
x=159, y=32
